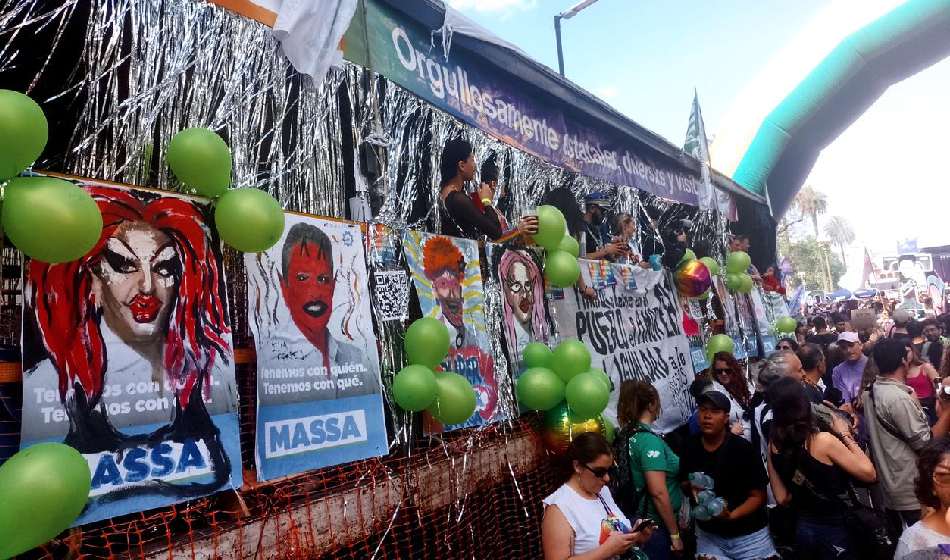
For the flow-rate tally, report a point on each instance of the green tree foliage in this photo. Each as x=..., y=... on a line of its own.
x=808, y=257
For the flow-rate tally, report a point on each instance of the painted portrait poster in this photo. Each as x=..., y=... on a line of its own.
x=127, y=355
x=446, y=272
x=318, y=389
x=525, y=316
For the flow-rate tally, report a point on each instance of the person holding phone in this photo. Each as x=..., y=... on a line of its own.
x=581, y=519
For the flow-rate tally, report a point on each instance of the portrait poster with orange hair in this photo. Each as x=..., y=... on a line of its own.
x=446, y=273
x=127, y=355
x=319, y=401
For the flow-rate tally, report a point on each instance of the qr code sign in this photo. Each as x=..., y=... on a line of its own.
x=392, y=295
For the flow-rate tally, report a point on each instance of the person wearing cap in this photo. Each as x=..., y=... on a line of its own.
x=846, y=376
x=740, y=531
x=596, y=240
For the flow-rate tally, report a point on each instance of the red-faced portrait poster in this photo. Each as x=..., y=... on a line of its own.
x=127, y=355
x=318, y=389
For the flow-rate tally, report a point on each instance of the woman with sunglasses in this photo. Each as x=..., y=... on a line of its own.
x=581, y=520
x=933, y=491
x=729, y=379
x=654, y=467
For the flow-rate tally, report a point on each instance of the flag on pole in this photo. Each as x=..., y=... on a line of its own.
x=868, y=272
x=697, y=145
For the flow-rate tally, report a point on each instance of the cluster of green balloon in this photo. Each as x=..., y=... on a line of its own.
x=563, y=374
x=250, y=220
x=48, y=219
x=42, y=490
x=719, y=343
x=785, y=325
x=737, y=276
x=560, y=262
x=448, y=396
x=561, y=426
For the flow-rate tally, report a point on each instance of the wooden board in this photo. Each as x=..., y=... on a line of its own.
x=249, y=10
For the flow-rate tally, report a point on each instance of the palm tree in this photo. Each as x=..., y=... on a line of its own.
x=840, y=234
x=811, y=204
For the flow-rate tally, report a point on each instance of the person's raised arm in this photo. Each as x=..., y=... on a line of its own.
x=844, y=452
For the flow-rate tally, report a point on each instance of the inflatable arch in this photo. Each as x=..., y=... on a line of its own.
x=836, y=92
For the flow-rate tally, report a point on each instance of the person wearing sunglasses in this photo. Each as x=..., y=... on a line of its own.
x=581, y=519
x=933, y=491
x=729, y=379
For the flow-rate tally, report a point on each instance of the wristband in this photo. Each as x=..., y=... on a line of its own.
x=675, y=536
x=486, y=201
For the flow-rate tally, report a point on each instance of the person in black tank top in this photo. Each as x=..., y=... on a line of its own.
x=811, y=471
x=461, y=216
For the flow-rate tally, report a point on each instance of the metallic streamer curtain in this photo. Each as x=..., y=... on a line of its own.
x=149, y=68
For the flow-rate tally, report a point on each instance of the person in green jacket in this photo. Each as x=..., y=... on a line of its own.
x=654, y=467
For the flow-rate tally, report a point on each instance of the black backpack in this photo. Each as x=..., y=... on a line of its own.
x=628, y=497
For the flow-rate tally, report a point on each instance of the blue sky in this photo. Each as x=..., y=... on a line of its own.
x=885, y=174
x=645, y=57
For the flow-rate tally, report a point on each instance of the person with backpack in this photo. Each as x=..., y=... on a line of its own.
x=648, y=470
x=810, y=471
x=898, y=430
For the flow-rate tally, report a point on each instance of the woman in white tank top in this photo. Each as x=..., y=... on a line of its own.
x=581, y=519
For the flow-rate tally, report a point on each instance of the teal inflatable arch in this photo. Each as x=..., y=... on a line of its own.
x=904, y=41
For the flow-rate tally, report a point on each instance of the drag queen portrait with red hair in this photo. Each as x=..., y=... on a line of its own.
x=131, y=345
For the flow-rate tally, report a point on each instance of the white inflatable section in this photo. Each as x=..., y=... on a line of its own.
x=766, y=90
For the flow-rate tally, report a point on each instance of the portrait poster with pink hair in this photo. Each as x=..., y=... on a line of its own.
x=127, y=355
x=446, y=273
x=525, y=316
x=319, y=401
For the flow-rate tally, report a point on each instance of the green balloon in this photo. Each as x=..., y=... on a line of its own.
x=602, y=375
x=719, y=343
x=570, y=358
x=551, y=227
x=250, y=220
x=586, y=395
x=43, y=488
x=201, y=159
x=561, y=269
x=414, y=388
x=539, y=389
x=689, y=255
x=738, y=262
x=49, y=219
x=456, y=401
x=427, y=342
x=785, y=324
x=711, y=264
x=23, y=132
x=745, y=284
x=733, y=282
x=536, y=355
x=569, y=245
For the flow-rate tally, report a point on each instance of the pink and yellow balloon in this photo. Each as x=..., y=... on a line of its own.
x=692, y=279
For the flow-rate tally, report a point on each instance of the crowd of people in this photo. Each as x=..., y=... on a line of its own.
x=834, y=446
